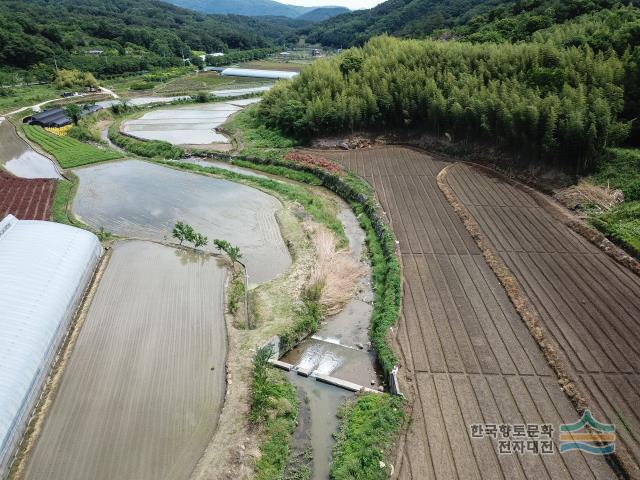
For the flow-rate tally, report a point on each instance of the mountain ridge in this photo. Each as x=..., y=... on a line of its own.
x=259, y=8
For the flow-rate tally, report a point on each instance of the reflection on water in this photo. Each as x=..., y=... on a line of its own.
x=19, y=158
x=140, y=199
x=191, y=125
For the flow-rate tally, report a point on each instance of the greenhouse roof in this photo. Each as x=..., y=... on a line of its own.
x=44, y=269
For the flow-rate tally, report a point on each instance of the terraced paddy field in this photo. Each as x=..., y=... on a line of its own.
x=18, y=158
x=587, y=302
x=142, y=391
x=468, y=355
x=191, y=125
x=140, y=199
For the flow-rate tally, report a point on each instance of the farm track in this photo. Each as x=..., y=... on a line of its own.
x=468, y=355
x=26, y=199
x=141, y=395
x=587, y=302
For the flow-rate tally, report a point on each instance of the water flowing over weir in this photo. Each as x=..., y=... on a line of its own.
x=340, y=350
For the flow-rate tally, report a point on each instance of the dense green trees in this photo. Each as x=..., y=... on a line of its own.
x=133, y=35
x=548, y=103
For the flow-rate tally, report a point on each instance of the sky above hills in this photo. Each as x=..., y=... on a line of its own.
x=352, y=4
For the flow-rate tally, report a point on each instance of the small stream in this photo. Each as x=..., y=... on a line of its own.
x=341, y=349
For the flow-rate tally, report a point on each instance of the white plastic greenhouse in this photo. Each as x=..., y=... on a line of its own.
x=45, y=268
x=250, y=72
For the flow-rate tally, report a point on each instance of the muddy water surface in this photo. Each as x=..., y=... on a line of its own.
x=191, y=125
x=141, y=395
x=19, y=158
x=139, y=199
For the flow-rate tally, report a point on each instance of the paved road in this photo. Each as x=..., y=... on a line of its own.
x=469, y=356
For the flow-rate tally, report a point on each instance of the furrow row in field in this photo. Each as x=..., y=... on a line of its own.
x=586, y=301
x=24, y=198
x=470, y=357
x=146, y=374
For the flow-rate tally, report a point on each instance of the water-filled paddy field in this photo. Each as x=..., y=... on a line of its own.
x=144, y=200
x=19, y=158
x=142, y=391
x=190, y=125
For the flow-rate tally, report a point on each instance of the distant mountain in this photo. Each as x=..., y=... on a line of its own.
x=323, y=13
x=260, y=8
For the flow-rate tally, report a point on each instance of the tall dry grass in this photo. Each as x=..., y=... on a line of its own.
x=335, y=274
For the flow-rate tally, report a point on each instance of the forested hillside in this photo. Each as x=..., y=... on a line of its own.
x=479, y=20
x=259, y=8
x=133, y=35
x=560, y=105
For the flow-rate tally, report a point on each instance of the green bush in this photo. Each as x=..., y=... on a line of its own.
x=370, y=426
x=622, y=225
x=274, y=407
x=142, y=86
x=148, y=149
x=620, y=168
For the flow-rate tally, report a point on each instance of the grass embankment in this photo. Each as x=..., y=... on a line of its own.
x=274, y=409
x=253, y=139
x=620, y=169
x=370, y=427
x=69, y=152
x=143, y=148
x=236, y=291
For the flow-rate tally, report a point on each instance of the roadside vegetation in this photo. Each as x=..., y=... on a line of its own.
x=274, y=409
x=69, y=152
x=370, y=425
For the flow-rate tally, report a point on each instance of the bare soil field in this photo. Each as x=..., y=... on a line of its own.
x=589, y=303
x=466, y=354
x=26, y=199
x=141, y=395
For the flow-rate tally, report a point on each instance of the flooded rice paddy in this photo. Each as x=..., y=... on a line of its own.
x=191, y=125
x=139, y=199
x=141, y=101
x=19, y=158
x=142, y=392
x=236, y=92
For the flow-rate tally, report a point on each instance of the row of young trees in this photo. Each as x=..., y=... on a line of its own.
x=548, y=102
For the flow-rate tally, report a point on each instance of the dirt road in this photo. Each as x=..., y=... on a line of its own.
x=589, y=303
x=469, y=356
x=142, y=392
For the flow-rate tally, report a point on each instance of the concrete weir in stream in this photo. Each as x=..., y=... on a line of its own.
x=337, y=360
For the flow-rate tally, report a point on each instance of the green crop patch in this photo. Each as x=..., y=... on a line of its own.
x=69, y=152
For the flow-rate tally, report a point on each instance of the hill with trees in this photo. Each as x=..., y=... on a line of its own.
x=479, y=20
x=552, y=104
x=259, y=8
x=117, y=36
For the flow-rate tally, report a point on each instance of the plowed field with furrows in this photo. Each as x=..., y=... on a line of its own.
x=142, y=392
x=588, y=302
x=469, y=355
x=26, y=199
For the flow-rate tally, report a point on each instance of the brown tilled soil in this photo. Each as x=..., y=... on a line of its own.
x=467, y=355
x=27, y=199
x=587, y=302
x=142, y=390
